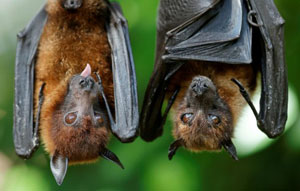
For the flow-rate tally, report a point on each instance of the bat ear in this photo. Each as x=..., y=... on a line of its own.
x=59, y=166
x=230, y=148
x=87, y=71
x=173, y=148
x=108, y=155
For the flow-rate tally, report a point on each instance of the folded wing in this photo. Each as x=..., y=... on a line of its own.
x=125, y=86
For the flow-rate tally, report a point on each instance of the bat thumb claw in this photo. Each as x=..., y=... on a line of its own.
x=59, y=166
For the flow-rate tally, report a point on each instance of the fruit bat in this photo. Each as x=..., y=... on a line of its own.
x=74, y=83
x=209, y=54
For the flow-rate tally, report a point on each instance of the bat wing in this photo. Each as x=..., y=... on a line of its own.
x=270, y=57
x=125, y=86
x=221, y=34
x=152, y=121
x=218, y=33
x=25, y=135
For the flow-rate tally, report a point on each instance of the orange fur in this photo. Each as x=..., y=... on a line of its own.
x=70, y=41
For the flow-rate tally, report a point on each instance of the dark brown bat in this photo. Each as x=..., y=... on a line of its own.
x=207, y=108
x=73, y=113
x=204, y=49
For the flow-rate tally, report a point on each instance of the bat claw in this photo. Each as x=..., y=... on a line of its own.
x=99, y=81
x=173, y=148
x=230, y=148
x=59, y=166
x=108, y=155
x=171, y=153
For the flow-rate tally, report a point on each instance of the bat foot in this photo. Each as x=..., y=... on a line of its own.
x=230, y=148
x=108, y=155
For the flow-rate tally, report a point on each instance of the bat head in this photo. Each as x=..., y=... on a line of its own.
x=203, y=121
x=80, y=126
x=82, y=101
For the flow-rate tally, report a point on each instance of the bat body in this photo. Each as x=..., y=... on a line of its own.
x=201, y=46
x=73, y=113
x=63, y=54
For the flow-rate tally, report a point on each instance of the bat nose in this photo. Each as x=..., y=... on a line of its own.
x=87, y=83
x=72, y=4
x=199, y=88
x=200, y=85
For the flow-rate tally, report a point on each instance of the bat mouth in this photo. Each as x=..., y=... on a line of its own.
x=87, y=84
x=85, y=81
x=71, y=5
x=201, y=85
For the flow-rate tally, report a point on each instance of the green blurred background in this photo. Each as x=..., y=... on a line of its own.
x=263, y=164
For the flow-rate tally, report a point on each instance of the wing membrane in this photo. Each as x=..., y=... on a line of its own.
x=26, y=142
x=226, y=37
x=125, y=86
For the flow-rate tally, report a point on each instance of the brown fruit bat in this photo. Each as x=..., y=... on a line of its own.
x=56, y=94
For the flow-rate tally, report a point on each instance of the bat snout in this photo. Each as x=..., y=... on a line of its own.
x=72, y=4
x=199, y=88
x=87, y=84
x=200, y=85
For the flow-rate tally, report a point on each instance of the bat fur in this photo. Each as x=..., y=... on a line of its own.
x=70, y=41
x=199, y=136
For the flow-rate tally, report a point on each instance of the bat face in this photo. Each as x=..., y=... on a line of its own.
x=202, y=120
x=80, y=124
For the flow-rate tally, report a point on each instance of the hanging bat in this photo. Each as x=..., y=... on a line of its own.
x=204, y=49
x=74, y=105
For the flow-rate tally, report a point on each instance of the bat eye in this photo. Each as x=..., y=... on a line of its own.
x=187, y=117
x=214, y=119
x=99, y=118
x=70, y=118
